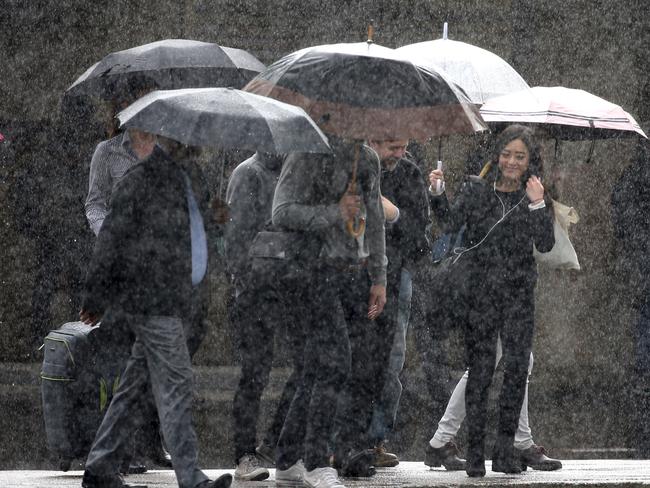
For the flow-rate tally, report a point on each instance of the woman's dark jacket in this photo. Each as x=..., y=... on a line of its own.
x=142, y=258
x=506, y=255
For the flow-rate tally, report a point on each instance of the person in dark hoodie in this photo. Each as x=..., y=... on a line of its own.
x=150, y=255
x=494, y=278
x=258, y=311
x=630, y=202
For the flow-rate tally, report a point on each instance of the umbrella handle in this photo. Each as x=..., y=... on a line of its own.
x=485, y=170
x=355, y=226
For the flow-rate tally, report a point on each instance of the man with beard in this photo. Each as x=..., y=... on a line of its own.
x=406, y=208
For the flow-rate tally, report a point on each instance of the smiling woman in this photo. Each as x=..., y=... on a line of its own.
x=513, y=162
x=495, y=298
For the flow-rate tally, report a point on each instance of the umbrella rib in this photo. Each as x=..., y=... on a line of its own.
x=555, y=113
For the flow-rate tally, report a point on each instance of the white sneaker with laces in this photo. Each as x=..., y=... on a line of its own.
x=322, y=478
x=250, y=469
x=292, y=477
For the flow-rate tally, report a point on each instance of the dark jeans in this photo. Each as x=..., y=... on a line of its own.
x=431, y=326
x=507, y=310
x=345, y=359
x=257, y=314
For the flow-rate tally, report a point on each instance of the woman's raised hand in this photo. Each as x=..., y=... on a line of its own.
x=435, y=176
x=534, y=189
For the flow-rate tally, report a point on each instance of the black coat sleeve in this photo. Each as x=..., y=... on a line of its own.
x=542, y=227
x=120, y=225
x=413, y=218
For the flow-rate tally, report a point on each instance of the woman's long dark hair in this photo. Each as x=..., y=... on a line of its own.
x=527, y=136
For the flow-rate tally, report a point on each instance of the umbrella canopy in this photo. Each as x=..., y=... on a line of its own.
x=366, y=91
x=225, y=118
x=566, y=113
x=481, y=73
x=171, y=63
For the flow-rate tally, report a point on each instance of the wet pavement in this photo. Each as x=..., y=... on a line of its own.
x=577, y=473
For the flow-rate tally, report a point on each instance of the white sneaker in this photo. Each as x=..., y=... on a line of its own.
x=250, y=469
x=292, y=477
x=322, y=478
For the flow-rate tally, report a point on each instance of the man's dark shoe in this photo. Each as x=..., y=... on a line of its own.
x=266, y=454
x=356, y=464
x=105, y=481
x=383, y=458
x=223, y=481
x=535, y=457
x=133, y=468
x=161, y=456
x=447, y=456
x=476, y=468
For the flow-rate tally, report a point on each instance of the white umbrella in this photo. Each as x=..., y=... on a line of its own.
x=481, y=73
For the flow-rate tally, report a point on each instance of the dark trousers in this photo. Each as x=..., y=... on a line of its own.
x=146, y=442
x=159, y=360
x=431, y=326
x=345, y=359
x=504, y=309
x=258, y=314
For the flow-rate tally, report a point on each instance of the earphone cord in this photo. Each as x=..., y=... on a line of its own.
x=459, y=251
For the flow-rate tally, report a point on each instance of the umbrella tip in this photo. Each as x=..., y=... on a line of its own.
x=445, y=30
x=371, y=32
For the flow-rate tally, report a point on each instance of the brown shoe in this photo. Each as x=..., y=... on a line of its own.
x=383, y=458
x=447, y=456
x=535, y=457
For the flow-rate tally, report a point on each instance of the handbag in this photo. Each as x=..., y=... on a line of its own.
x=443, y=246
x=283, y=256
x=562, y=255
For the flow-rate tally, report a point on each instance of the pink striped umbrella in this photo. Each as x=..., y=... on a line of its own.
x=566, y=113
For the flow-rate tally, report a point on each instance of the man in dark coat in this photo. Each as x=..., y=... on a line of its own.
x=406, y=208
x=149, y=255
x=630, y=216
x=258, y=312
x=345, y=346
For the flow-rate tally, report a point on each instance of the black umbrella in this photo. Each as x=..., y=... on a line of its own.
x=225, y=118
x=366, y=91
x=170, y=64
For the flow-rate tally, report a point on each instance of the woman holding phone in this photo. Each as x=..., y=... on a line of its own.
x=504, y=214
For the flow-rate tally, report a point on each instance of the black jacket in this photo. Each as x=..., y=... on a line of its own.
x=406, y=240
x=507, y=252
x=141, y=263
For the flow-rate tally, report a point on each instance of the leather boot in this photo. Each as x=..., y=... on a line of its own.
x=535, y=457
x=447, y=456
x=383, y=458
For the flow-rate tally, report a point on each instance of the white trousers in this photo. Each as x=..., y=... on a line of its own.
x=454, y=415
